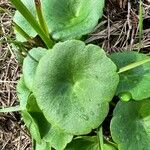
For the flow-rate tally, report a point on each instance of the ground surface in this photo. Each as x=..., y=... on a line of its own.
x=117, y=31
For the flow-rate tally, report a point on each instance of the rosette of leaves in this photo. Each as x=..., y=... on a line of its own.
x=130, y=125
x=66, y=19
x=65, y=91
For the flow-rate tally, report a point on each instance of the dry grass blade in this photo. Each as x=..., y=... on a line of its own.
x=13, y=134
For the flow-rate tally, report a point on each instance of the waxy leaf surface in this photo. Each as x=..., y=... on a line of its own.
x=130, y=125
x=74, y=84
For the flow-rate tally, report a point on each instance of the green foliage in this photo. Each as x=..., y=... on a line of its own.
x=69, y=99
x=137, y=80
x=40, y=129
x=29, y=65
x=23, y=93
x=65, y=91
x=43, y=146
x=87, y=143
x=66, y=19
x=130, y=125
x=60, y=101
x=75, y=96
x=23, y=23
x=27, y=15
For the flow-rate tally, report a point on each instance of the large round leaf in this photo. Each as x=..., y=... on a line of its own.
x=66, y=19
x=74, y=84
x=130, y=126
x=30, y=64
x=71, y=19
x=135, y=81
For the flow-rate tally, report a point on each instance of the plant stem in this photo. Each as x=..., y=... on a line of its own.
x=134, y=65
x=100, y=136
x=30, y=18
x=21, y=31
x=111, y=143
x=41, y=19
x=140, y=24
x=10, y=109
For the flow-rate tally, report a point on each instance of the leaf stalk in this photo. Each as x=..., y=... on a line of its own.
x=133, y=65
x=41, y=19
x=32, y=21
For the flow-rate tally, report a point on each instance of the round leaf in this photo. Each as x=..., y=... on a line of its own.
x=130, y=126
x=71, y=19
x=74, y=84
x=66, y=19
x=135, y=81
x=30, y=64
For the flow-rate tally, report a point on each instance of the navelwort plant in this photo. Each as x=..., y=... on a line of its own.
x=66, y=89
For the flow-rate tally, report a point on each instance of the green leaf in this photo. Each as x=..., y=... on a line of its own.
x=35, y=120
x=130, y=126
x=71, y=19
x=32, y=125
x=67, y=19
x=25, y=12
x=57, y=138
x=23, y=23
x=84, y=143
x=109, y=147
x=30, y=64
x=43, y=146
x=34, y=110
x=41, y=130
x=135, y=81
x=23, y=93
x=74, y=89
x=87, y=143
